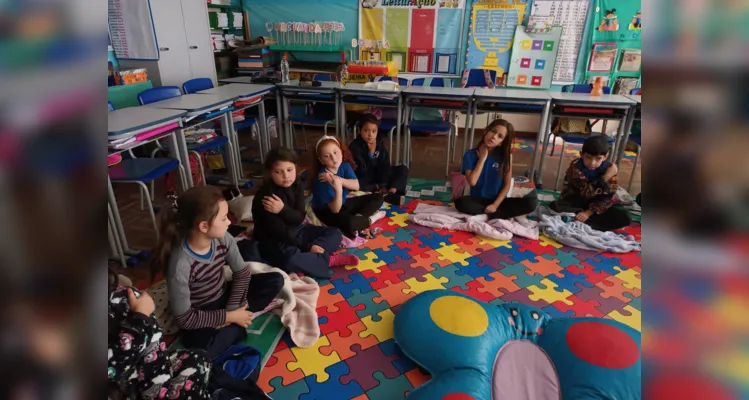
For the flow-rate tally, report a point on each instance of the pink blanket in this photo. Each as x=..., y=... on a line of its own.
x=442, y=217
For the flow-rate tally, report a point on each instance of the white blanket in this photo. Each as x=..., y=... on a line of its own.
x=442, y=217
x=579, y=235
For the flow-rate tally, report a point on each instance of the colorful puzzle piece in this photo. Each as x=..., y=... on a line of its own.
x=389, y=389
x=292, y=391
x=615, y=287
x=498, y=284
x=366, y=363
x=630, y=277
x=544, y=267
x=357, y=281
x=473, y=291
x=428, y=283
x=339, y=320
x=371, y=301
x=342, y=344
x=456, y=277
x=394, y=293
x=276, y=367
x=334, y=387
x=631, y=317
x=398, y=219
x=402, y=363
x=310, y=361
x=547, y=292
x=579, y=307
x=455, y=254
x=327, y=299
x=380, y=278
x=382, y=329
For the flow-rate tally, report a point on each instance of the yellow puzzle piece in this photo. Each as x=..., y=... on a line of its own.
x=398, y=219
x=311, y=361
x=634, y=320
x=549, y=295
x=455, y=254
x=382, y=329
x=368, y=264
x=430, y=283
x=547, y=241
x=630, y=277
x=495, y=243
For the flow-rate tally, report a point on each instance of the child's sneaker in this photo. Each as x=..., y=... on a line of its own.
x=377, y=216
x=340, y=260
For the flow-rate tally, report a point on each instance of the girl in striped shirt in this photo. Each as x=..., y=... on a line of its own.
x=194, y=246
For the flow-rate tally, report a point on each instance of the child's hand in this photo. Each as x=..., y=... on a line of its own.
x=143, y=304
x=491, y=208
x=483, y=152
x=611, y=171
x=583, y=216
x=326, y=177
x=316, y=249
x=272, y=204
x=337, y=182
x=240, y=316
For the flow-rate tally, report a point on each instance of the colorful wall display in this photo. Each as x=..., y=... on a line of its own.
x=421, y=36
x=616, y=25
x=533, y=58
x=491, y=33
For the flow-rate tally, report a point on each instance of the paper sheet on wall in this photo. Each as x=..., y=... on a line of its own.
x=131, y=30
x=571, y=15
x=492, y=30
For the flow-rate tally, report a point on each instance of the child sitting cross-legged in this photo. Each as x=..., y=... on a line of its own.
x=278, y=211
x=589, y=188
x=373, y=164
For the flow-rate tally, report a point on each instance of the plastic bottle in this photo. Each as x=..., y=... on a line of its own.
x=597, y=87
x=344, y=70
x=285, y=67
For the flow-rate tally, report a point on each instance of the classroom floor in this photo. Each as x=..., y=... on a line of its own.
x=356, y=356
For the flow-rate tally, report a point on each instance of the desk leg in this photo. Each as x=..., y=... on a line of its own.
x=627, y=130
x=180, y=153
x=227, y=127
x=618, y=137
x=280, y=118
x=539, y=138
x=287, y=117
x=115, y=242
x=472, y=111
x=399, y=123
x=264, y=136
x=398, y=137
x=546, y=136
x=337, y=117
x=342, y=108
x=117, y=221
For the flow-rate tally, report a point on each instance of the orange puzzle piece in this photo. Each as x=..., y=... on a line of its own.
x=500, y=281
x=615, y=287
x=393, y=294
x=276, y=366
x=328, y=300
x=543, y=267
x=428, y=258
x=342, y=344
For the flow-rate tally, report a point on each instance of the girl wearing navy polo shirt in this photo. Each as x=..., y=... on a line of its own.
x=335, y=178
x=488, y=168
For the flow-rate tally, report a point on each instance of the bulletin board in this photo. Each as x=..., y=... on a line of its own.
x=619, y=23
x=490, y=35
x=533, y=58
x=131, y=31
x=422, y=36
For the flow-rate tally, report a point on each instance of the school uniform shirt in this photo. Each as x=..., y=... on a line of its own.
x=323, y=193
x=492, y=175
x=592, y=174
x=371, y=167
x=583, y=183
x=194, y=281
x=279, y=227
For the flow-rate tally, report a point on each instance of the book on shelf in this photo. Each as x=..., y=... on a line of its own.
x=624, y=85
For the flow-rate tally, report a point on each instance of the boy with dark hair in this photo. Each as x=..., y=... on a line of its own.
x=373, y=167
x=589, y=188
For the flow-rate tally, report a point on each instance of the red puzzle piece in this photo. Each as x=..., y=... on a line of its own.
x=417, y=247
x=535, y=247
x=474, y=291
x=410, y=207
x=473, y=246
x=342, y=344
x=327, y=300
x=428, y=258
x=380, y=242
x=588, y=271
x=381, y=278
x=579, y=307
x=393, y=293
x=276, y=366
x=338, y=321
x=457, y=236
x=614, y=287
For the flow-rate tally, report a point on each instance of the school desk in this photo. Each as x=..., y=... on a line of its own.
x=241, y=92
x=583, y=105
x=237, y=79
x=202, y=108
x=127, y=122
x=635, y=114
x=441, y=98
x=357, y=93
x=515, y=101
x=291, y=90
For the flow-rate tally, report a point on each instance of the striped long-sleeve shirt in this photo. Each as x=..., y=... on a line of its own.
x=193, y=282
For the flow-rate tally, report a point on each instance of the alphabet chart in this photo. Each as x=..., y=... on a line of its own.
x=571, y=15
x=533, y=58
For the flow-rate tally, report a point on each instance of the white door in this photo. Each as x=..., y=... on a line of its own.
x=198, y=32
x=174, y=59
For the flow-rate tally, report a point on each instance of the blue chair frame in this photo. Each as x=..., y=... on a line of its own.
x=197, y=84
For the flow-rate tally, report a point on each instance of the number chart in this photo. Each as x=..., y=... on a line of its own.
x=533, y=58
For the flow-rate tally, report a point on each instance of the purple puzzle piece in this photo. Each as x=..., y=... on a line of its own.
x=594, y=293
x=367, y=362
x=522, y=296
x=342, y=273
x=493, y=258
x=409, y=271
x=582, y=254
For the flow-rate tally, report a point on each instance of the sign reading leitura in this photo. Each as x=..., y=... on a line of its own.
x=409, y=3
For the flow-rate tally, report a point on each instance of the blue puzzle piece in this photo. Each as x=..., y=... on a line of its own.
x=358, y=281
x=605, y=264
x=474, y=270
x=332, y=388
x=636, y=301
x=322, y=320
x=455, y=275
x=401, y=235
x=403, y=364
x=568, y=281
x=389, y=389
x=370, y=307
x=555, y=313
x=497, y=302
x=292, y=391
x=524, y=280
x=388, y=256
x=435, y=240
x=517, y=254
x=565, y=258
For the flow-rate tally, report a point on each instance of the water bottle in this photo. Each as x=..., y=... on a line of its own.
x=285, y=68
x=343, y=79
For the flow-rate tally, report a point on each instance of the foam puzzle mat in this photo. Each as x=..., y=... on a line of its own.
x=356, y=356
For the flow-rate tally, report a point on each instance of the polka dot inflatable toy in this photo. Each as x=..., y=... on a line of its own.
x=479, y=351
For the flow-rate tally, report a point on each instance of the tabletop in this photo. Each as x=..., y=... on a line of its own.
x=613, y=99
x=512, y=94
x=439, y=91
x=238, y=90
x=635, y=97
x=359, y=87
x=237, y=79
x=192, y=102
x=325, y=86
x=133, y=119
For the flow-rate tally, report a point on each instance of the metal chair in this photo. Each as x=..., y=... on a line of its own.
x=197, y=84
x=636, y=138
x=401, y=81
